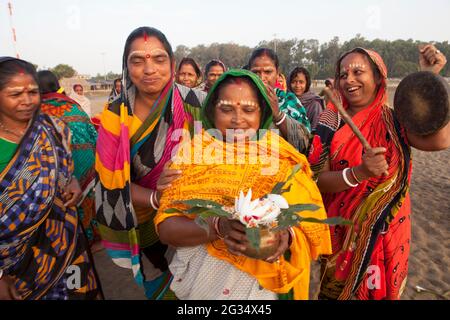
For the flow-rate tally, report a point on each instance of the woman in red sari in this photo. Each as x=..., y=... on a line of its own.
x=369, y=187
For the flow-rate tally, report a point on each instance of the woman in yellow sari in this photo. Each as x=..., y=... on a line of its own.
x=236, y=154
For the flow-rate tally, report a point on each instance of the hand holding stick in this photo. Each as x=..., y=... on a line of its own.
x=347, y=118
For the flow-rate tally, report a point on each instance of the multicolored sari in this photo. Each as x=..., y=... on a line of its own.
x=132, y=151
x=370, y=259
x=42, y=246
x=83, y=139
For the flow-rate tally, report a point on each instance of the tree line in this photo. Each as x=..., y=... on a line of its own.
x=400, y=56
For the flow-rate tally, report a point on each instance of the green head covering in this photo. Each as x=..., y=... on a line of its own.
x=238, y=73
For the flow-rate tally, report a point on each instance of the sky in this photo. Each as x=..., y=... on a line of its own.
x=89, y=35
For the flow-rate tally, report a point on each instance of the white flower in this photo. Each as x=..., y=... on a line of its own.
x=259, y=211
x=280, y=201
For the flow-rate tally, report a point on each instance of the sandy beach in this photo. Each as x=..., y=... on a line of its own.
x=430, y=248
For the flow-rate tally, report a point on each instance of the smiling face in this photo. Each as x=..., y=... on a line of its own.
x=265, y=68
x=149, y=65
x=19, y=99
x=357, y=81
x=187, y=76
x=298, y=84
x=237, y=108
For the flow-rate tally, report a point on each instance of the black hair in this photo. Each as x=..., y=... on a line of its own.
x=150, y=32
x=264, y=52
x=210, y=108
x=295, y=72
x=11, y=67
x=117, y=80
x=328, y=82
x=48, y=82
x=213, y=63
x=373, y=66
x=192, y=63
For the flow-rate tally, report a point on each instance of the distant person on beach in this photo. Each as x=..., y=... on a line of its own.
x=78, y=95
x=369, y=187
x=137, y=137
x=329, y=84
x=83, y=140
x=189, y=73
x=213, y=70
x=299, y=83
x=116, y=90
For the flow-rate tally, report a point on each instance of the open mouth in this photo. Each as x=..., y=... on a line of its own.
x=353, y=90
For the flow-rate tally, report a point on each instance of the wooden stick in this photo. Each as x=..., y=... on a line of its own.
x=347, y=118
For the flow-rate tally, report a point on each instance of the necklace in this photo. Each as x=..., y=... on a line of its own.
x=17, y=134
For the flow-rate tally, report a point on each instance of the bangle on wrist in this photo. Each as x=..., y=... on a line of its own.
x=216, y=221
x=277, y=117
x=281, y=120
x=354, y=175
x=347, y=182
x=291, y=235
x=153, y=202
x=156, y=198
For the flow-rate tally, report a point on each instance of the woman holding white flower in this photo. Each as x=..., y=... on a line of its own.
x=213, y=264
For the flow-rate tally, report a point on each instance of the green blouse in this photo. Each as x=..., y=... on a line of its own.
x=7, y=150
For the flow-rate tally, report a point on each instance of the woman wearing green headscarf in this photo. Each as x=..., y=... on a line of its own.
x=234, y=153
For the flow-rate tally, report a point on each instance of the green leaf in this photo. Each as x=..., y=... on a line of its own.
x=220, y=212
x=200, y=206
x=214, y=213
x=301, y=207
x=196, y=210
x=287, y=189
x=286, y=220
x=207, y=212
x=278, y=188
x=330, y=221
x=202, y=223
x=173, y=210
x=295, y=169
x=200, y=203
x=254, y=237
